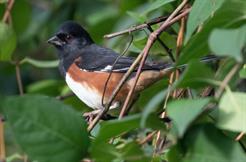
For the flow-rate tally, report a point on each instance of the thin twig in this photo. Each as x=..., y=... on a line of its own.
x=153, y=36
x=168, y=50
x=2, y=143
x=138, y=27
x=135, y=28
x=206, y=92
x=7, y=16
x=131, y=69
x=147, y=138
x=240, y=136
x=18, y=78
x=226, y=80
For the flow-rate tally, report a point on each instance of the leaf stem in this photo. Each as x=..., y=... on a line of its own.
x=18, y=78
x=2, y=143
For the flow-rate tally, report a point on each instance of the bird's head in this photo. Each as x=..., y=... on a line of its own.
x=70, y=38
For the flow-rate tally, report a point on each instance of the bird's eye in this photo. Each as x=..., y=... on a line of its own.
x=68, y=37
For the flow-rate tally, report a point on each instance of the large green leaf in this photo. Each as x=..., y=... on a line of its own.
x=228, y=42
x=195, y=75
x=207, y=144
x=201, y=10
x=113, y=128
x=232, y=111
x=7, y=42
x=183, y=112
x=46, y=129
x=231, y=14
x=152, y=106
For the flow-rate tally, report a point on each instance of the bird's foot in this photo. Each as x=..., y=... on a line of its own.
x=89, y=116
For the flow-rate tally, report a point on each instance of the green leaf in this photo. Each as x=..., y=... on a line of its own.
x=232, y=111
x=137, y=17
x=113, y=128
x=157, y=4
x=195, y=75
x=201, y=10
x=231, y=14
x=40, y=64
x=204, y=143
x=103, y=151
x=46, y=129
x=228, y=42
x=7, y=42
x=48, y=87
x=242, y=72
x=184, y=111
x=152, y=106
x=116, y=127
x=133, y=153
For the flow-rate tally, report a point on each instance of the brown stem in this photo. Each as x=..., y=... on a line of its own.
x=7, y=16
x=18, y=78
x=147, y=138
x=240, y=136
x=138, y=27
x=226, y=80
x=135, y=28
x=2, y=143
x=169, y=52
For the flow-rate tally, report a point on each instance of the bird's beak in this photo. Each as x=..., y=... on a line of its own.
x=55, y=41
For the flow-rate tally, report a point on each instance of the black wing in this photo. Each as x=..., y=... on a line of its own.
x=96, y=58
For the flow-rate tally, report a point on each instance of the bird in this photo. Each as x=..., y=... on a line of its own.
x=86, y=67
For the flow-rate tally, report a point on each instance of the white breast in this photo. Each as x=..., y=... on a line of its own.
x=89, y=96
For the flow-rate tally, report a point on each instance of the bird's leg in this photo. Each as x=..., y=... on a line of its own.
x=89, y=116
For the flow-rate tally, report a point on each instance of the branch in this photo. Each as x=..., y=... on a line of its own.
x=163, y=45
x=138, y=27
x=240, y=136
x=153, y=36
x=2, y=145
x=135, y=63
x=226, y=80
x=18, y=78
x=147, y=138
x=7, y=16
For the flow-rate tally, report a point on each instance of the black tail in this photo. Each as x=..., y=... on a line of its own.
x=205, y=59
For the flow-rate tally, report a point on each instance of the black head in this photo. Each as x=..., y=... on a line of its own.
x=70, y=37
